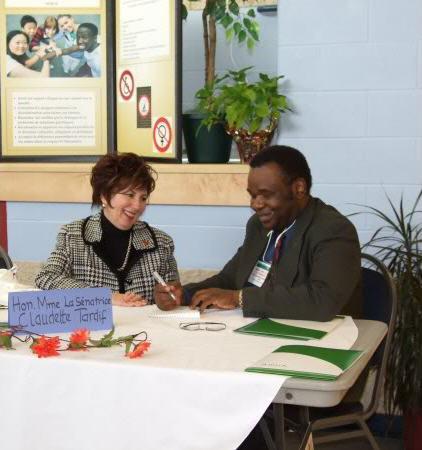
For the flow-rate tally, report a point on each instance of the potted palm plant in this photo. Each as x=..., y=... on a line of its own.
x=250, y=111
x=398, y=243
x=213, y=144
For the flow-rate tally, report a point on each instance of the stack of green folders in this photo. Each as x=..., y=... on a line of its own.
x=300, y=361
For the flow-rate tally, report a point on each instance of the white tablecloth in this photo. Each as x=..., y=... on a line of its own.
x=188, y=392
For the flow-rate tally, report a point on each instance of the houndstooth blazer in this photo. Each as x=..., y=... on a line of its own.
x=77, y=261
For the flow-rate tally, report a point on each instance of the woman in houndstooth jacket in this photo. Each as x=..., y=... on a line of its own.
x=113, y=248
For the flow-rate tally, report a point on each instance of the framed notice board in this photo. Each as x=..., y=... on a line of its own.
x=148, y=81
x=63, y=98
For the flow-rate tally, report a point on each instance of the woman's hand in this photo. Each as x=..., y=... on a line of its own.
x=128, y=299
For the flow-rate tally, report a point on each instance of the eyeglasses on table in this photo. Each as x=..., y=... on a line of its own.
x=202, y=326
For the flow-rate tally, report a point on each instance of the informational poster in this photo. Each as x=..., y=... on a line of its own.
x=52, y=3
x=148, y=42
x=62, y=95
x=55, y=77
x=62, y=118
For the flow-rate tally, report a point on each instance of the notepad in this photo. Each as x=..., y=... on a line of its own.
x=290, y=329
x=181, y=312
x=302, y=361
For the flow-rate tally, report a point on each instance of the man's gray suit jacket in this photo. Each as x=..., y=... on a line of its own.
x=317, y=276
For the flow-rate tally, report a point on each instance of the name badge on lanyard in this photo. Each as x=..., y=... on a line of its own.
x=262, y=267
x=259, y=273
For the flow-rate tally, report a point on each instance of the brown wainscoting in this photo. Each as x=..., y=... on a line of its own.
x=177, y=184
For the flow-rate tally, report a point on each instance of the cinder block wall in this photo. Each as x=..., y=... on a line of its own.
x=354, y=76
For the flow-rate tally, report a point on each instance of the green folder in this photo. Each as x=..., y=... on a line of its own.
x=302, y=361
x=268, y=327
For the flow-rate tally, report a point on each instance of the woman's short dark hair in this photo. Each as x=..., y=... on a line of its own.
x=113, y=173
x=10, y=35
x=291, y=161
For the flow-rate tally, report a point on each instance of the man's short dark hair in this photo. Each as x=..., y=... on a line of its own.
x=291, y=161
x=27, y=19
x=91, y=27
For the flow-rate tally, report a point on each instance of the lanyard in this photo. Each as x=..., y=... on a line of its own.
x=280, y=236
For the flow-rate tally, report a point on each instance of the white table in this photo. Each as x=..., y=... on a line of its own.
x=296, y=391
x=312, y=393
x=190, y=391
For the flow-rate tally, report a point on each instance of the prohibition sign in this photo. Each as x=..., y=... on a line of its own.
x=162, y=134
x=126, y=84
x=143, y=106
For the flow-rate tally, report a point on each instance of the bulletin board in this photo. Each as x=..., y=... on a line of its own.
x=120, y=93
x=69, y=113
x=148, y=78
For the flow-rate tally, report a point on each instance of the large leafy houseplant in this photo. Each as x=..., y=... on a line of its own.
x=398, y=243
x=249, y=110
x=238, y=25
x=213, y=144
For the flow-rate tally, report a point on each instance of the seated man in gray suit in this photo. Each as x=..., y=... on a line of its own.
x=300, y=258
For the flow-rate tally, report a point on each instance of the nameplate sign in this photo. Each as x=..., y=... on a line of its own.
x=61, y=310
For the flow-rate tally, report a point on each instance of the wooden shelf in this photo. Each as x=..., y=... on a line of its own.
x=177, y=184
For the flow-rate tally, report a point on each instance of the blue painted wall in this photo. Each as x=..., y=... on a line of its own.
x=205, y=237
x=354, y=77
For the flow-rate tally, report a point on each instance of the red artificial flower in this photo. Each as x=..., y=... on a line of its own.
x=139, y=350
x=79, y=339
x=46, y=346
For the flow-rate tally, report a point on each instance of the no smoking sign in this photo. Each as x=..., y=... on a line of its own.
x=162, y=134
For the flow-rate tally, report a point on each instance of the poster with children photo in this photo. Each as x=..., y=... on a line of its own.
x=62, y=45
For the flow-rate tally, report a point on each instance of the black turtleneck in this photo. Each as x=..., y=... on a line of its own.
x=114, y=243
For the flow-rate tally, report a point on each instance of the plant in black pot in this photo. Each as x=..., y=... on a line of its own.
x=250, y=111
x=398, y=243
x=213, y=144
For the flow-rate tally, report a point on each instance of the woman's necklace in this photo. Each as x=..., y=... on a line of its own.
x=123, y=266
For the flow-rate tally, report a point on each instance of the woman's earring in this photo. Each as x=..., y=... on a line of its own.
x=103, y=205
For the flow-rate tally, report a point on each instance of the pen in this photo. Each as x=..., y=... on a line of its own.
x=157, y=276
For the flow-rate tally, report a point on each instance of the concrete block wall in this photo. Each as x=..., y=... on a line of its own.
x=205, y=237
x=354, y=76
